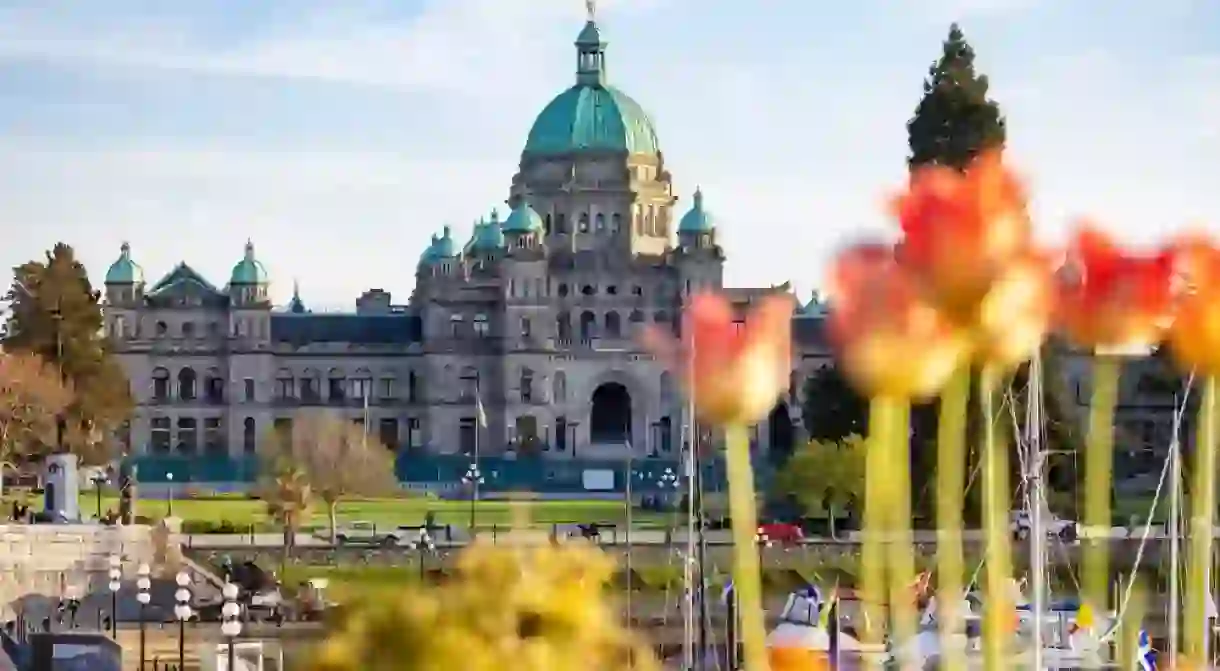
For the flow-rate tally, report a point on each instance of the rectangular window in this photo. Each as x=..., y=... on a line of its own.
x=248, y=385
x=188, y=435
x=336, y=392
x=213, y=437
x=412, y=387
x=387, y=433
x=309, y=390
x=467, y=435
x=362, y=388
x=415, y=433
x=284, y=388
x=160, y=436
x=388, y=390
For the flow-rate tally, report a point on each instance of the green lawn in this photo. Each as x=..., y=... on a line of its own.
x=389, y=512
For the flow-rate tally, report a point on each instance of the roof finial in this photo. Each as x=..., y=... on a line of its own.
x=591, y=9
x=296, y=289
x=249, y=249
x=125, y=249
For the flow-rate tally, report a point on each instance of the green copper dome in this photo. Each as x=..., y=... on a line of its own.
x=592, y=116
x=249, y=270
x=444, y=247
x=124, y=270
x=487, y=235
x=429, y=254
x=697, y=220
x=523, y=219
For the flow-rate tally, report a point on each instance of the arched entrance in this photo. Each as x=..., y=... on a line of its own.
x=781, y=435
x=610, y=415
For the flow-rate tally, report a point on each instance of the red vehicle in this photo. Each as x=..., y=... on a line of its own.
x=782, y=533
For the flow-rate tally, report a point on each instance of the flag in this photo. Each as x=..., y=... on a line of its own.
x=727, y=593
x=480, y=415
x=1146, y=655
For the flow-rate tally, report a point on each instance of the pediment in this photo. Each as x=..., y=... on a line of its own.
x=185, y=286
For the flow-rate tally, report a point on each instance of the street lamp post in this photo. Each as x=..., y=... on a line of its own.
x=667, y=481
x=143, y=584
x=116, y=576
x=98, y=480
x=230, y=625
x=169, y=500
x=182, y=611
x=473, y=479
x=425, y=544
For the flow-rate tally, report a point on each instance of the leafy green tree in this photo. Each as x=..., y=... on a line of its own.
x=833, y=410
x=955, y=119
x=826, y=477
x=57, y=315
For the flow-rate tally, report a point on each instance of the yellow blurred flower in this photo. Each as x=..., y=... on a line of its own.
x=525, y=608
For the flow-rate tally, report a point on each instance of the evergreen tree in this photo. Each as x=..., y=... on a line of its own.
x=57, y=315
x=955, y=119
x=833, y=411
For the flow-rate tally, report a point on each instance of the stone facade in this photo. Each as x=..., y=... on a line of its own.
x=531, y=324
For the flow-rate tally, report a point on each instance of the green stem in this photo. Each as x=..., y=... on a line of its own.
x=872, y=573
x=1202, y=516
x=747, y=581
x=997, y=608
x=1099, y=478
x=889, y=424
x=950, y=502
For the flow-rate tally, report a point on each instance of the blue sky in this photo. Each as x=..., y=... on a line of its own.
x=339, y=134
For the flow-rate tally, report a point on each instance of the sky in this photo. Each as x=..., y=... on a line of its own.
x=337, y=135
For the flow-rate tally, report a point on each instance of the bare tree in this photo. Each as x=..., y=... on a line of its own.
x=289, y=497
x=337, y=458
x=32, y=395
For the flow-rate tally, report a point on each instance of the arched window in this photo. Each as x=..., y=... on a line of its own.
x=616, y=222
x=187, y=379
x=160, y=378
x=527, y=385
x=584, y=222
x=214, y=387
x=599, y=222
x=614, y=327
x=311, y=386
x=285, y=387
x=559, y=388
x=249, y=436
x=336, y=390
x=563, y=327
x=362, y=384
x=162, y=329
x=588, y=325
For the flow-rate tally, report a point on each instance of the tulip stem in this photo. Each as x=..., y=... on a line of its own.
x=997, y=606
x=889, y=422
x=747, y=581
x=1098, y=480
x=1202, y=520
x=950, y=502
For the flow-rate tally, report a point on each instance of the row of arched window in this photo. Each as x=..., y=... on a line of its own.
x=187, y=385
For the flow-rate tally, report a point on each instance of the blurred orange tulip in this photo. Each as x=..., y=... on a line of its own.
x=738, y=374
x=961, y=230
x=890, y=341
x=797, y=659
x=1111, y=299
x=1016, y=313
x=1194, y=337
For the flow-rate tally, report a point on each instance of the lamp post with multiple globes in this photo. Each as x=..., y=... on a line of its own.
x=143, y=584
x=116, y=577
x=182, y=611
x=230, y=625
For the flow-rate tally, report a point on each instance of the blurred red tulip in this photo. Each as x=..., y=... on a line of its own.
x=1194, y=338
x=1016, y=313
x=737, y=374
x=890, y=341
x=961, y=230
x=1108, y=298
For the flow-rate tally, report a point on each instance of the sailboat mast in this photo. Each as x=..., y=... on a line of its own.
x=689, y=557
x=1037, y=535
x=1175, y=498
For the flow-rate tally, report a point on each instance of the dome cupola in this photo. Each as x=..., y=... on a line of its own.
x=697, y=219
x=124, y=270
x=592, y=115
x=523, y=219
x=248, y=271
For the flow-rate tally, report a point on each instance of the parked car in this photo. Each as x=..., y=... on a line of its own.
x=783, y=533
x=367, y=533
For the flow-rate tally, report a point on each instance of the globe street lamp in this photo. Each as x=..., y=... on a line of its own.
x=143, y=584
x=169, y=490
x=473, y=479
x=667, y=481
x=425, y=545
x=116, y=576
x=182, y=611
x=230, y=614
x=98, y=480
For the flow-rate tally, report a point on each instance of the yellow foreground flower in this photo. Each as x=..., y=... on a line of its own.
x=523, y=608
